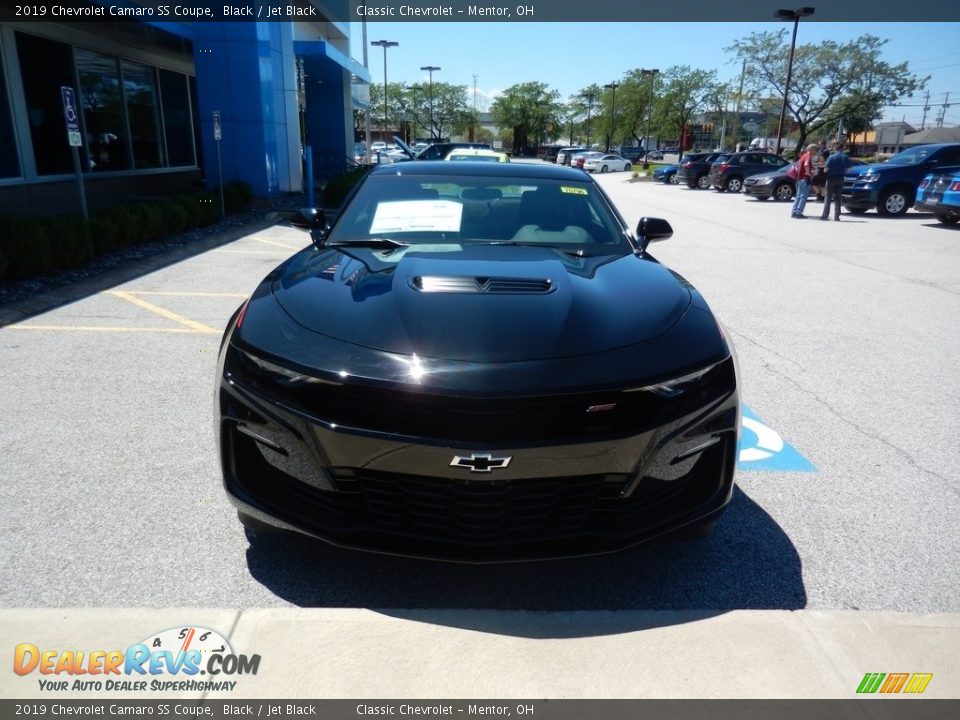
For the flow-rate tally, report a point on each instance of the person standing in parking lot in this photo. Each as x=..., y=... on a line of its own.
x=836, y=167
x=804, y=173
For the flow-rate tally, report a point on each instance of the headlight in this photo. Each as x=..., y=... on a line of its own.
x=284, y=377
x=764, y=181
x=868, y=177
x=676, y=386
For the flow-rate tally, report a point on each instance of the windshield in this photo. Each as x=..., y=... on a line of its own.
x=454, y=209
x=914, y=156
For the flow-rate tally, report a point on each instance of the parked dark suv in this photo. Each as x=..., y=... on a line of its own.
x=728, y=173
x=695, y=168
x=438, y=151
x=891, y=186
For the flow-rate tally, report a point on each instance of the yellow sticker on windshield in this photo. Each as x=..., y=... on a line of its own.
x=573, y=190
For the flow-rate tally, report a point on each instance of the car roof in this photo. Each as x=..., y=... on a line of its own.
x=506, y=170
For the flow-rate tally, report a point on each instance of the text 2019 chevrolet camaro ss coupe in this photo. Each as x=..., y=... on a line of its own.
x=477, y=362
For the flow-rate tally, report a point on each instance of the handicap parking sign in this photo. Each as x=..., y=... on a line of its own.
x=70, y=115
x=762, y=448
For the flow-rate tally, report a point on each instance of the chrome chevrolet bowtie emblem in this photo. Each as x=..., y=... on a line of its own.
x=480, y=462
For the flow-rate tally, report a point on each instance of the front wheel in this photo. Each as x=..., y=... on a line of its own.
x=783, y=191
x=949, y=219
x=894, y=203
x=855, y=211
x=603, y=168
x=673, y=179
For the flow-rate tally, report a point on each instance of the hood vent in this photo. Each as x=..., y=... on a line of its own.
x=500, y=286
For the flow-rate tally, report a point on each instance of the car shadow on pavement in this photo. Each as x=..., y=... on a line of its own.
x=749, y=562
x=943, y=226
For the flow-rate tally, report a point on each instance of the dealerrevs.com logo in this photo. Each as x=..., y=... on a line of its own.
x=180, y=659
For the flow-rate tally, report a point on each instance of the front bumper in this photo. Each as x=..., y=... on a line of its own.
x=601, y=486
x=758, y=190
x=863, y=198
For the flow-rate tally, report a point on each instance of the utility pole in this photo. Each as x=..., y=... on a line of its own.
x=430, y=69
x=943, y=110
x=736, y=112
x=926, y=109
x=384, y=44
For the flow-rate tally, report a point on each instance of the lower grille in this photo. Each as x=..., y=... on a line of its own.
x=481, y=511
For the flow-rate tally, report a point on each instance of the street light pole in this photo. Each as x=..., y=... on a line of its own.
x=794, y=15
x=430, y=69
x=384, y=44
x=646, y=135
x=613, y=109
x=589, y=97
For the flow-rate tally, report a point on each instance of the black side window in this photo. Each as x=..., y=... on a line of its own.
x=949, y=156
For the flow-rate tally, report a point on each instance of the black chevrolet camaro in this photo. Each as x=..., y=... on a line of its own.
x=477, y=362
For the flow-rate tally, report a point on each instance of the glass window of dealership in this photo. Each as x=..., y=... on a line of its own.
x=133, y=115
x=146, y=94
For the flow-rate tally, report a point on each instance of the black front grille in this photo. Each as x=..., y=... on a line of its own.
x=484, y=511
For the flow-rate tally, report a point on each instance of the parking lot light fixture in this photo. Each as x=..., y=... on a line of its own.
x=794, y=15
x=613, y=108
x=646, y=135
x=384, y=44
x=430, y=69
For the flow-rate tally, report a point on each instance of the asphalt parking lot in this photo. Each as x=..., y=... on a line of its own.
x=846, y=334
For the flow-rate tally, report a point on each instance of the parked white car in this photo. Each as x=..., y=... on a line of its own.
x=606, y=163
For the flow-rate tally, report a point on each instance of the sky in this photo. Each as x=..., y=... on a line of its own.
x=570, y=56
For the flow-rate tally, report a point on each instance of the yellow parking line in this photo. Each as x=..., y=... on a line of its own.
x=187, y=294
x=162, y=312
x=95, y=328
x=283, y=245
x=248, y=252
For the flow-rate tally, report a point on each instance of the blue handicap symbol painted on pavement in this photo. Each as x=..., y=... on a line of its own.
x=762, y=448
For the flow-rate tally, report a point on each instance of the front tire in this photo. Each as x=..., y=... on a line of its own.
x=894, y=202
x=603, y=168
x=627, y=167
x=949, y=219
x=673, y=179
x=783, y=192
x=856, y=210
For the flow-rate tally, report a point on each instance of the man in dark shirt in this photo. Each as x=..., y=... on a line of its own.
x=836, y=167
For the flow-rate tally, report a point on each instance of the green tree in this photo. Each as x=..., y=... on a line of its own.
x=528, y=111
x=685, y=92
x=823, y=75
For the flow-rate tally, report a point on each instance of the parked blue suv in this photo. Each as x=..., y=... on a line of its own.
x=891, y=186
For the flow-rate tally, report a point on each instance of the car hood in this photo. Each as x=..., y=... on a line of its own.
x=771, y=173
x=874, y=168
x=381, y=301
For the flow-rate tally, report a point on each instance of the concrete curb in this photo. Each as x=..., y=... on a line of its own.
x=361, y=653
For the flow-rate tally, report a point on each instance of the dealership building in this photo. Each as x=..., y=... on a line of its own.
x=166, y=106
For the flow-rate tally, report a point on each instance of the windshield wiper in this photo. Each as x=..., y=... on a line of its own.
x=579, y=252
x=370, y=242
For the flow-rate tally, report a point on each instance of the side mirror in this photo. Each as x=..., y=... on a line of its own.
x=314, y=221
x=652, y=229
x=309, y=219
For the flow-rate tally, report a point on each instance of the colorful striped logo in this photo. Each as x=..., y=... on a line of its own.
x=913, y=683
